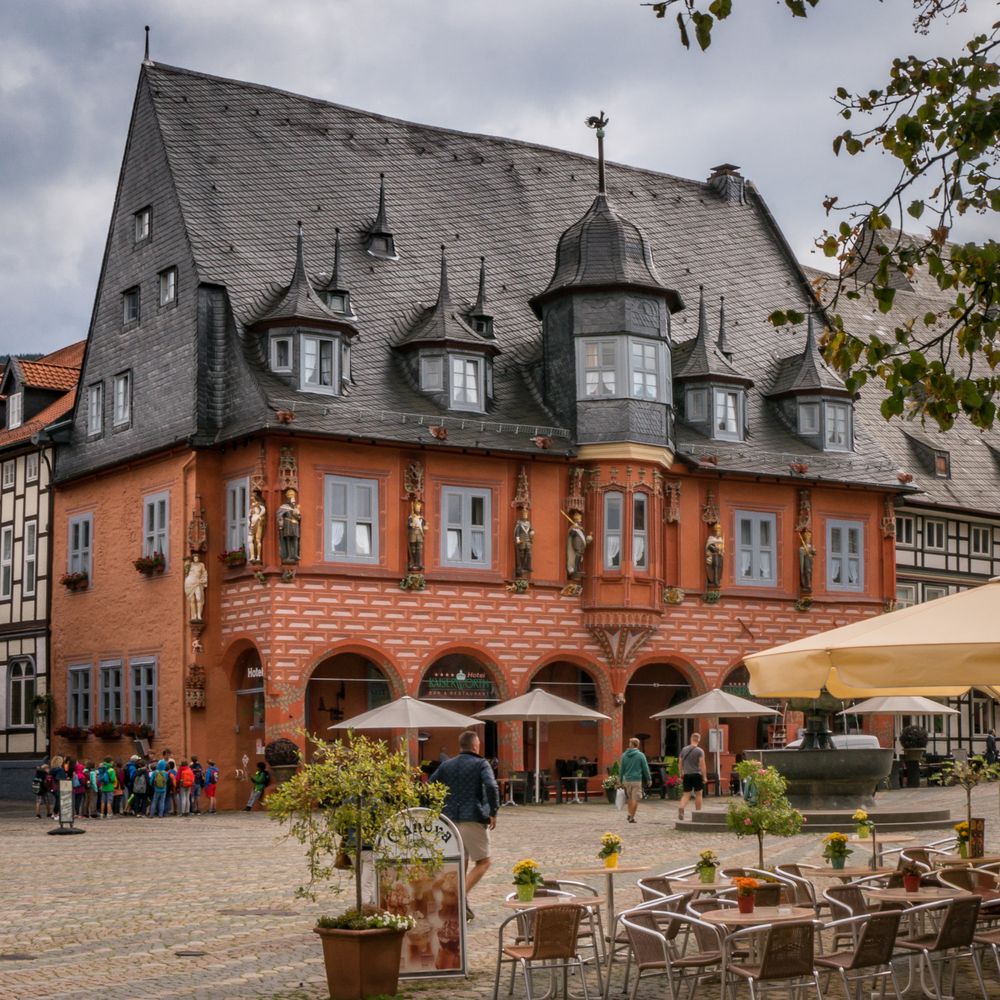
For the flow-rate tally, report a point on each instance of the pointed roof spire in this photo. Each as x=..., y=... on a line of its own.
x=807, y=372
x=701, y=360
x=598, y=123
x=479, y=309
x=381, y=224
x=722, y=343
x=702, y=317
x=380, y=241
x=146, y=61
x=335, y=275
x=335, y=293
x=444, y=292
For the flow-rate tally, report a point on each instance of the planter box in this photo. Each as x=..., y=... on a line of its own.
x=361, y=964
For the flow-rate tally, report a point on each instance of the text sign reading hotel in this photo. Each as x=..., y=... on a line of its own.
x=441, y=684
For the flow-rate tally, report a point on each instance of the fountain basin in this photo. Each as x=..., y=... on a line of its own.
x=829, y=779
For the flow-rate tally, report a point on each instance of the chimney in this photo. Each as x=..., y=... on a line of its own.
x=729, y=183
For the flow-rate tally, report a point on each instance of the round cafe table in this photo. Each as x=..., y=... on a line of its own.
x=609, y=874
x=696, y=885
x=957, y=861
x=544, y=901
x=846, y=874
x=733, y=920
x=889, y=840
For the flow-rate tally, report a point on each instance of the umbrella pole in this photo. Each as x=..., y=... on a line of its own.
x=538, y=757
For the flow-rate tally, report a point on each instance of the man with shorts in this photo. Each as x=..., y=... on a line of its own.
x=692, y=762
x=472, y=805
x=633, y=772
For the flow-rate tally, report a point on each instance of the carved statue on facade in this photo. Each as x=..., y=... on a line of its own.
x=289, y=518
x=256, y=523
x=416, y=528
x=524, y=537
x=715, y=552
x=195, y=584
x=807, y=555
x=577, y=541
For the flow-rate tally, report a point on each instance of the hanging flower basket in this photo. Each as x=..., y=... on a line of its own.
x=75, y=581
x=233, y=558
x=151, y=565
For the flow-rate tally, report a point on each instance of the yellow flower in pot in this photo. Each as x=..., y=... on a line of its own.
x=835, y=849
x=707, y=865
x=527, y=878
x=962, y=836
x=864, y=824
x=611, y=847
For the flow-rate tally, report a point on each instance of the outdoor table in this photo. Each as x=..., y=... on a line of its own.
x=511, y=782
x=542, y=901
x=609, y=874
x=731, y=919
x=849, y=874
x=890, y=840
x=696, y=885
x=576, y=789
x=957, y=861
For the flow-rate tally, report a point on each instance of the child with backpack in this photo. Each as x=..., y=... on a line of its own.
x=160, y=781
x=140, y=788
x=172, y=789
x=185, y=782
x=107, y=782
x=260, y=780
x=40, y=789
x=93, y=792
x=211, y=785
x=199, y=784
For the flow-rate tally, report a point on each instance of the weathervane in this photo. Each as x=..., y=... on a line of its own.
x=598, y=122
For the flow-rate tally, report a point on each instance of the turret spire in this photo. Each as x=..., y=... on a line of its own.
x=380, y=241
x=722, y=343
x=300, y=256
x=146, y=61
x=598, y=123
x=702, y=318
x=337, y=297
x=480, y=307
x=444, y=293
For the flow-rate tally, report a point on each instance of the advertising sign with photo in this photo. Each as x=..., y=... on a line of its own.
x=436, y=900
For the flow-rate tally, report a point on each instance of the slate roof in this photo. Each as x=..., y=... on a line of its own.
x=702, y=357
x=300, y=300
x=248, y=161
x=806, y=372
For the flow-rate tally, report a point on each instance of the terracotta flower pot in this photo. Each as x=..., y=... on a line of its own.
x=911, y=883
x=746, y=903
x=361, y=964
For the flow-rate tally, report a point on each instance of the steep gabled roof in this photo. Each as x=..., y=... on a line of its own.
x=702, y=357
x=806, y=372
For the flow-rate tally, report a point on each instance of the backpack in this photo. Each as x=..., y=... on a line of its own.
x=139, y=784
x=267, y=778
x=212, y=777
x=103, y=776
x=159, y=779
x=172, y=780
x=39, y=785
x=187, y=777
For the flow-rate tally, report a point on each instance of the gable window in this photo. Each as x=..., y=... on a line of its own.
x=934, y=535
x=808, y=414
x=318, y=364
x=645, y=370
x=80, y=544
x=465, y=535
x=613, y=504
x=143, y=224
x=31, y=467
x=78, y=706
x=837, y=417
x=942, y=465
x=845, y=555
x=727, y=416
x=9, y=472
x=906, y=595
x=168, y=286
x=95, y=408
x=155, y=517
x=15, y=410
x=432, y=372
x=6, y=562
x=281, y=354
x=640, y=557
x=755, y=556
x=466, y=382
x=237, y=499
x=144, y=691
x=122, y=401
x=600, y=368
x=29, y=578
x=904, y=530
x=980, y=540
x=696, y=405
x=22, y=693
x=130, y=306
x=352, y=525
x=382, y=246
x=110, y=692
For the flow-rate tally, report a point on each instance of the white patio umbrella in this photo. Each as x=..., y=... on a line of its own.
x=715, y=704
x=539, y=706
x=897, y=705
x=408, y=713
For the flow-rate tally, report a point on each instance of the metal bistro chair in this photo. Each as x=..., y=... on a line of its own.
x=590, y=935
x=874, y=936
x=772, y=884
x=554, y=943
x=785, y=957
x=803, y=893
x=619, y=938
x=921, y=857
x=526, y=923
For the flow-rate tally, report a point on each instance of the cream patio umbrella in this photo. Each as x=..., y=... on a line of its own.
x=897, y=705
x=940, y=648
x=539, y=706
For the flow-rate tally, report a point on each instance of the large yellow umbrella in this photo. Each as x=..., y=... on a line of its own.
x=940, y=648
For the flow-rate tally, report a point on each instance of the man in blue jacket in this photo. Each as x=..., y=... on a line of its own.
x=472, y=805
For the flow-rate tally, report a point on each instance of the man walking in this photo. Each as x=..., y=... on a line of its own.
x=692, y=761
x=472, y=805
x=991, y=747
x=633, y=772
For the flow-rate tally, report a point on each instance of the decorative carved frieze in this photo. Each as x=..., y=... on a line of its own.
x=621, y=634
x=288, y=470
x=710, y=509
x=197, y=533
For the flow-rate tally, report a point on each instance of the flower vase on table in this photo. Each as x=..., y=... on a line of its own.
x=746, y=902
x=864, y=826
x=706, y=866
x=911, y=876
x=837, y=864
x=835, y=849
x=527, y=878
x=611, y=861
x=611, y=847
x=525, y=892
x=963, y=849
x=746, y=893
x=962, y=835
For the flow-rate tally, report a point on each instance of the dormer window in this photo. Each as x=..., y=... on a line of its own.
x=281, y=354
x=612, y=367
x=319, y=364
x=826, y=424
x=481, y=325
x=600, y=368
x=696, y=405
x=15, y=410
x=727, y=422
x=645, y=370
x=382, y=246
x=337, y=301
x=130, y=306
x=432, y=372
x=466, y=382
x=809, y=418
x=942, y=465
x=837, y=417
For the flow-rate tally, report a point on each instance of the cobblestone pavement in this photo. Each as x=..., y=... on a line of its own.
x=109, y=915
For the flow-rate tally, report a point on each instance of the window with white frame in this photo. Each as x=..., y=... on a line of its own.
x=845, y=555
x=808, y=414
x=644, y=368
x=15, y=410
x=319, y=364
x=143, y=691
x=110, y=692
x=31, y=467
x=934, y=534
x=168, y=286
x=932, y=591
x=906, y=595
x=696, y=405
x=466, y=382
x=9, y=474
x=904, y=530
x=80, y=543
x=130, y=306
x=600, y=368
x=352, y=519
x=95, y=408
x=29, y=577
x=465, y=534
x=22, y=694
x=6, y=562
x=980, y=540
x=640, y=531
x=281, y=354
x=78, y=705
x=613, y=514
x=237, y=500
x=727, y=418
x=755, y=548
x=837, y=418
x=143, y=220
x=432, y=372
x=155, y=524
x=122, y=408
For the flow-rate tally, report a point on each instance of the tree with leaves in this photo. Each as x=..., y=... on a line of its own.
x=939, y=120
x=764, y=808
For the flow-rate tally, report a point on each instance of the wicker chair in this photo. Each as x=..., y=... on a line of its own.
x=954, y=938
x=591, y=932
x=874, y=936
x=620, y=940
x=554, y=941
x=786, y=956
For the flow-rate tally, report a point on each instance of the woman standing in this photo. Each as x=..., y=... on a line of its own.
x=57, y=773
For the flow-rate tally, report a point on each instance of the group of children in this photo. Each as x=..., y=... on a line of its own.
x=137, y=788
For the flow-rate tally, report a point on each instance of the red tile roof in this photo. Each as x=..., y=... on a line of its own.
x=51, y=413
x=39, y=375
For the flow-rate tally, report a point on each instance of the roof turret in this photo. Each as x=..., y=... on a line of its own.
x=807, y=372
x=702, y=360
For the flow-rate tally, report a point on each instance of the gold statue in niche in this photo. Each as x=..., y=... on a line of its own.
x=195, y=585
x=256, y=523
x=715, y=552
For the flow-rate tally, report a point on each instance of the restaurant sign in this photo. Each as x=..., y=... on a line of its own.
x=449, y=683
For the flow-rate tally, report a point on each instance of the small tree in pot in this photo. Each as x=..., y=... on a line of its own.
x=913, y=740
x=349, y=800
x=283, y=758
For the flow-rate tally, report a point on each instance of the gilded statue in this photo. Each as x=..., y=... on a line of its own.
x=195, y=584
x=256, y=523
x=289, y=519
x=715, y=551
x=524, y=537
x=416, y=528
x=577, y=541
x=807, y=555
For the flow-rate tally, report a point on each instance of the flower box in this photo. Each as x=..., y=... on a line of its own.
x=74, y=733
x=138, y=730
x=106, y=730
x=233, y=558
x=75, y=581
x=151, y=565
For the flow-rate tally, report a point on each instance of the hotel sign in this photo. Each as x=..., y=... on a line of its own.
x=444, y=683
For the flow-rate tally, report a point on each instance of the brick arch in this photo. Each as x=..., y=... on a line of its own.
x=605, y=696
x=689, y=670
x=388, y=666
x=233, y=654
x=480, y=655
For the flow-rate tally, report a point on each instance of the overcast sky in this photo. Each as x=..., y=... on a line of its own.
x=531, y=69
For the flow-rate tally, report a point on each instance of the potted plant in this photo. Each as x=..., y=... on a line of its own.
x=863, y=824
x=283, y=757
x=233, y=558
x=106, y=730
x=151, y=564
x=74, y=581
x=527, y=878
x=351, y=799
x=611, y=784
x=962, y=836
x=611, y=847
x=138, y=730
x=835, y=849
x=911, y=876
x=968, y=774
x=673, y=787
x=913, y=740
x=707, y=865
x=76, y=734
x=746, y=893
x=764, y=808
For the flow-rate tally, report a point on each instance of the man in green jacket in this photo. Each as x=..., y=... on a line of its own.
x=633, y=772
